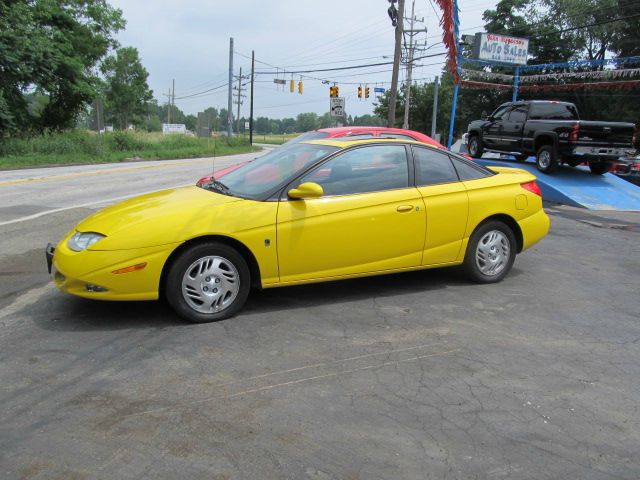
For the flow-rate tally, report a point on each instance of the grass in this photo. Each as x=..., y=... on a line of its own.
x=83, y=147
x=274, y=139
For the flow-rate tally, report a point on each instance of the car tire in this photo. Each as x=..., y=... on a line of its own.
x=491, y=252
x=208, y=282
x=599, y=168
x=475, y=146
x=547, y=159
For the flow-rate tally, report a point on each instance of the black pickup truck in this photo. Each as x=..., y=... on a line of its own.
x=554, y=133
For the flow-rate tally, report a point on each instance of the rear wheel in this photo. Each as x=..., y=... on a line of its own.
x=490, y=253
x=208, y=282
x=546, y=159
x=599, y=168
x=475, y=146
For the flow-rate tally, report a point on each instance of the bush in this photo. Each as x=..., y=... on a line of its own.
x=123, y=142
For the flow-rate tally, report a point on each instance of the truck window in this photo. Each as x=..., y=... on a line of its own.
x=553, y=111
x=518, y=114
x=501, y=113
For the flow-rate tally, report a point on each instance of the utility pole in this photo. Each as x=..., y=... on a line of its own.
x=169, y=107
x=396, y=66
x=173, y=93
x=239, y=101
x=230, y=99
x=253, y=63
x=410, y=54
x=435, y=109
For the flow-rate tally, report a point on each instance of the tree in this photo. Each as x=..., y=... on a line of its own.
x=126, y=90
x=52, y=48
x=307, y=121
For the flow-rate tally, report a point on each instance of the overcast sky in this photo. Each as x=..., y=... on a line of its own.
x=188, y=41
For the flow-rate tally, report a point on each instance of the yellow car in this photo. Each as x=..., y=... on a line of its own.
x=308, y=212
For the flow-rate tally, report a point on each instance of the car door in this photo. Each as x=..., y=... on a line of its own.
x=446, y=203
x=492, y=131
x=513, y=126
x=370, y=219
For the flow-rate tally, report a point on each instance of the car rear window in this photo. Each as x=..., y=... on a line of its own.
x=308, y=136
x=396, y=135
x=553, y=111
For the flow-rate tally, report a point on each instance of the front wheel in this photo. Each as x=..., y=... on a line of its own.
x=208, y=282
x=599, y=168
x=475, y=146
x=490, y=253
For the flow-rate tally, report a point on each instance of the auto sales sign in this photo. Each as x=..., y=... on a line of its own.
x=501, y=48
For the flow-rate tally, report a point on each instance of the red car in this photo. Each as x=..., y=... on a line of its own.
x=352, y=132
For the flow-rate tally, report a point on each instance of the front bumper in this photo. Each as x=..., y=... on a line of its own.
x=90, y=273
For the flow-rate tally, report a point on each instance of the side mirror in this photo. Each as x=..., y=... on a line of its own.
x=306, y=190
x=484, y=115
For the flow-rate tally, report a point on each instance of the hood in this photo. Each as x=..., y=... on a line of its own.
x=157, y=218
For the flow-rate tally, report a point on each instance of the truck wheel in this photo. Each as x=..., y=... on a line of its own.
x=475, y=146
x=546, y=159
x=599, y=168
x=491, y=252
x=208, y=282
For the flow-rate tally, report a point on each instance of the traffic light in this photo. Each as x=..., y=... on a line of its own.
x=331, y=95
x=334, y=92
x=359, y=91
x=292, y=85
x=337, y=90
x=366, y=92
x=300, y=87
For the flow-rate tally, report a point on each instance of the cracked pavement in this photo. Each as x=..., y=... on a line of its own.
x=414, y=376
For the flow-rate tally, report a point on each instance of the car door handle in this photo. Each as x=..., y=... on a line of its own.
x=405, y=208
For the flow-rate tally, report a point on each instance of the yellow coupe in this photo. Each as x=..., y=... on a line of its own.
x=308, y=212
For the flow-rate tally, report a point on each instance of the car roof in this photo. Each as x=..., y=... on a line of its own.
x=342, y=143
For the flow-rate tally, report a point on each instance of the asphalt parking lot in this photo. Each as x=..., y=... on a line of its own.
x=411, y=376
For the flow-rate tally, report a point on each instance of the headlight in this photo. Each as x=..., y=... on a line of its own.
x=83, y=240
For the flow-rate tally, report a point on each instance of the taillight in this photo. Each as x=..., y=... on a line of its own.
x=575, y=131
x=532, y=187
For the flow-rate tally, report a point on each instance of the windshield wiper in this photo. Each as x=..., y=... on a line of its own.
x=219, y=186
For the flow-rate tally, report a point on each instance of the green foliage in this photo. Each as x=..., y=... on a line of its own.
x=125, y=88
x=82, y=146
x=52, y=48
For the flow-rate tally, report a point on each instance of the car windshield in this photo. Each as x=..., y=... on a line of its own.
x=258, y=178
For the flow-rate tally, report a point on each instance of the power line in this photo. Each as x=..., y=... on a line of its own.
x=199, y=94
x=352, y=67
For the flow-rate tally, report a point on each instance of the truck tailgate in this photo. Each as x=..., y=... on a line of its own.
x=606, y=133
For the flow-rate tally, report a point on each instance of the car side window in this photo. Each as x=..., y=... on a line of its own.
x=518, y=114
x=470, y=171
x=433, y=167
x=364, y=169
x=501, y=113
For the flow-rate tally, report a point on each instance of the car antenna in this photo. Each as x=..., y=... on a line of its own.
x=213, y=162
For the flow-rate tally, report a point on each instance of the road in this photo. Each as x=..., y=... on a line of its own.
x=412, y=376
